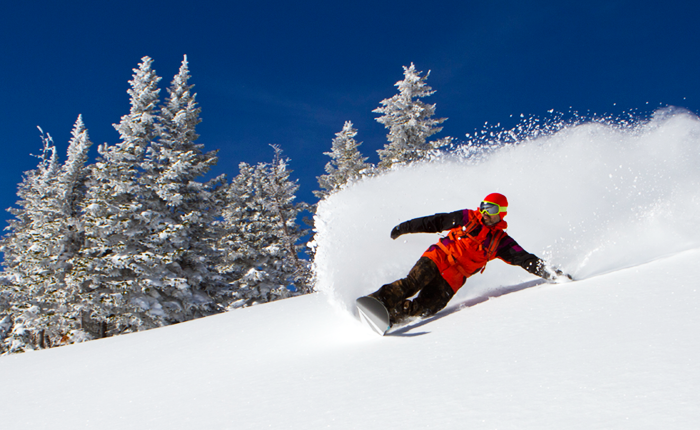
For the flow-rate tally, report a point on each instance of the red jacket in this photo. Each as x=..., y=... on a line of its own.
x=469, y=245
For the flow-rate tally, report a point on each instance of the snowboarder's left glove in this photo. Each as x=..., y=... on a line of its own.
x=559, y=274
x=542, y=269
x=396, y=232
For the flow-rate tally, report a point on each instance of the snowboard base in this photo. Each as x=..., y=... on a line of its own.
x=373, y=314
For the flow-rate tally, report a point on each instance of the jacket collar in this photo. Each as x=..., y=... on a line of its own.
x=500, y=225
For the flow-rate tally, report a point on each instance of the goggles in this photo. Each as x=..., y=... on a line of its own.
x=488, y=208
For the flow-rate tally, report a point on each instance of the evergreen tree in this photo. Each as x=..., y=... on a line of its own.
x=181, y=233
x=24, y=253
x=261, y=237
x=243, y=233
x=115, y=265
x=347, y=163
x=66, y=238
x=410, y=121
x=43, y=239
x=280, y=192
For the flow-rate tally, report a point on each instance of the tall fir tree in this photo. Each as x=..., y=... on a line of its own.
x=410, y=122
x=261, y=237
x=346, y=165
x=114, y=266
x=45, y=236
x=280, y=193
x=181, y=233
x=24, y=254
x=243, y=232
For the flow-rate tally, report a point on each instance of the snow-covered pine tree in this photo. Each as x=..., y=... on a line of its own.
x=280, y=192
x=114, y=267
x=67, y=238
x=410, y=121
x=347, y=163
x=242, y=231
x=261, y=238
x=44, y=236
x=182, y=209
x=23, y=251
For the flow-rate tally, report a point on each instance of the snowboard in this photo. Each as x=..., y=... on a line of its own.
x=373, y=314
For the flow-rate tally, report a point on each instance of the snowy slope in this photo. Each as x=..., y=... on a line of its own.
x=619, y=348
x=616, y=351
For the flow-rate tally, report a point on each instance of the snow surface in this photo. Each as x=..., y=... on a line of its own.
x=617, y=207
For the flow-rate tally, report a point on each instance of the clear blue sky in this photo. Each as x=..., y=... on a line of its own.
x=292, y=73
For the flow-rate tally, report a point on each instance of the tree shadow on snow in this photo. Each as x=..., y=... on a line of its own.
x=498, y=292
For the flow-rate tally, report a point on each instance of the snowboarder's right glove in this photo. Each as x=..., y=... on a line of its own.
x=396, y=232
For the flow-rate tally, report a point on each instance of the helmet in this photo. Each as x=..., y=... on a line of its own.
x=500, y=200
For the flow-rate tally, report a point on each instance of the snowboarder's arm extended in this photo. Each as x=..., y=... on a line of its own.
x=430, y=224
x=512, y=253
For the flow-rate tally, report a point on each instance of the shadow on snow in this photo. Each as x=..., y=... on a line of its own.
x=498, y=292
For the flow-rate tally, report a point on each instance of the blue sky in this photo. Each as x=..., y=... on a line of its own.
x=291, y=73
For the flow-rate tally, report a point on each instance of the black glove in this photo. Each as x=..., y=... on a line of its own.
x=542, y=269
x=561, y=274
x=396, y=232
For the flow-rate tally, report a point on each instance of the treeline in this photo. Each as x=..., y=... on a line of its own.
x=137, y=240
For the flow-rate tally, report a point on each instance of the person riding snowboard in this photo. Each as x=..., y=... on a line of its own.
x=474, y=238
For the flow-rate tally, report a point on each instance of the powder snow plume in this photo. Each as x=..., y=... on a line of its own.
x=590, y=197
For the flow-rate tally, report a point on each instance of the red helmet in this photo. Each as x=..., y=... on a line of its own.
x=500, y=200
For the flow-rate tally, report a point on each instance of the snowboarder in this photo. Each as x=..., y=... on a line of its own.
x=474, y=238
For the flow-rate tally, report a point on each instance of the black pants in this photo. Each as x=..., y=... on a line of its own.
x=424, y=279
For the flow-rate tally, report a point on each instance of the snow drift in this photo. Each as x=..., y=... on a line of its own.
x=590, y=198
